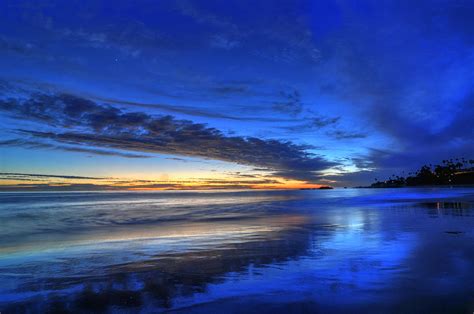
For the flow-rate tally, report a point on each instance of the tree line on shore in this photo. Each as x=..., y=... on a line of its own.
x=458, y=171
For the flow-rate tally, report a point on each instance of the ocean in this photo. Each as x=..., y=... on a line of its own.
x=407, y=250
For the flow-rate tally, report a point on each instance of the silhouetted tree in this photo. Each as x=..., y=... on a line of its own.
x=450, y=172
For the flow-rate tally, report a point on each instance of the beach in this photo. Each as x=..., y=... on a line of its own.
x=342, y=250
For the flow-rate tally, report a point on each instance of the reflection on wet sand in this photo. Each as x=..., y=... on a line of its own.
x=156, y=281
x=332, y=253
x=448, y=208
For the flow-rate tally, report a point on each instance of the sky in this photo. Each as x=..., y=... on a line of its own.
x=231, y=94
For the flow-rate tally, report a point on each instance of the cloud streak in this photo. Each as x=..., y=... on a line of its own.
x=42, y=145
x=34, y=176
x=191, y=111
x=85, y=122
x=53, y=182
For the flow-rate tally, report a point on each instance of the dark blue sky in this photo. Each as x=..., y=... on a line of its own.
x=243, y=92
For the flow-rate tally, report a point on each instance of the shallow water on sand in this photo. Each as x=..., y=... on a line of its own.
x=348, y=250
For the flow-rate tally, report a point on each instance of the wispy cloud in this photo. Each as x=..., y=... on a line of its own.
x=223, y=42
x=291, y=104
x=312, y=124
x=192, y=111
x=43, y=145
x=345, y=135
x=35, y=176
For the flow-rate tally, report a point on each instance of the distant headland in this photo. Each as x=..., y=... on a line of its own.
x=324, y=187
x=450, y=172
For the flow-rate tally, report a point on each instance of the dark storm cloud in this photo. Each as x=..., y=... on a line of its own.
x=84, y=122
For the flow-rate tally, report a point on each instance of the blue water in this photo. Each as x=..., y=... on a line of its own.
x=328, y=251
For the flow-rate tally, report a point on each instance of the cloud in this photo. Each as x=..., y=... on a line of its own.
x=351, y=179
x=80, y=187
x=42, y=145
x=406, y=85
x=230, y=89
x=412, y=81
x=15, y=46
x=345, y=135
x=50, y=182
x=291, y=104
x=201, y=16
x=23, y=187
x=35, y=176
x=222, y=42
x=314, y=123
x=84, y=122
x=280, y=35
x=192, y=111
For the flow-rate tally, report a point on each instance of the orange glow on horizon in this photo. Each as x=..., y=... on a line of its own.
x=197, y=186
x=210, y=182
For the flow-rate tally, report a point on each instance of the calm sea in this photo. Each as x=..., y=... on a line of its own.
x=328, y=251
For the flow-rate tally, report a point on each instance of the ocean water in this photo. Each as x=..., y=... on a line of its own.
x=326, y=251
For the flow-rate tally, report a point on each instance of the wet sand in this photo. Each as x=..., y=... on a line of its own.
x=357, y=251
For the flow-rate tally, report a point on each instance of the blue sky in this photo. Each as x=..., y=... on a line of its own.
x=246, y=92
